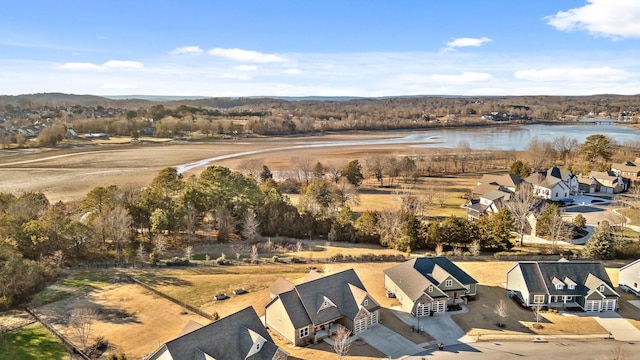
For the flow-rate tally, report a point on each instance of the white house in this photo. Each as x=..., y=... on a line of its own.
x=629, y=278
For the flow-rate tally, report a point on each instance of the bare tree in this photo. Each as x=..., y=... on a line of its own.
x=375, y=166
x=250, y=225
x=539, y=152
x=81, y=321
x=341, y=343
x=141, y=253
x=251, y=167
x=303, y=168
x=565, y=146
x=118, y=224
x=537, y=315
x=188, y=252
x=160, y=245
x=559, y=230
x=521, y=205
x=619, y=351
x=299, y=246
x=440, y=196
x=254, y=253
x=501, y=311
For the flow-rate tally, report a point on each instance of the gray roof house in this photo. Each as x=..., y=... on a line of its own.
x=553, y=184
x=238, y=336
x=428, y=284
x=311, y=310
x=563, y=284
x=488, y=203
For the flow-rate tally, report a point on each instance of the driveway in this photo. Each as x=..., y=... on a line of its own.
x=389, y=342
x=440, y=326
x=618, y=326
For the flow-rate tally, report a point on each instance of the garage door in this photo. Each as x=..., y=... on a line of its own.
x=440, y=306
x=593, y=305
x=423, y=309
x=360, y=325
x=609, y=305
x=372, y=319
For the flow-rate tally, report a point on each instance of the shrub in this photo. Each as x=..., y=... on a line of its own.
x=215, y=316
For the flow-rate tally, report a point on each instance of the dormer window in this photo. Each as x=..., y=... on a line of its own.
x=366, y=302
x=559, y=286
x=601, y=288
x=448, y=283
x=258, y=346
x=572, y=286
x=430, y=289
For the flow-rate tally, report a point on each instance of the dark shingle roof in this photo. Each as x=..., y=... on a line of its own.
x=295, y=310
x=227, y=338
x=334, y=287
x=414, y=276
x=539, y=276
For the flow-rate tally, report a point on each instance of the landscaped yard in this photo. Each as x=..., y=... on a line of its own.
x=31, y=342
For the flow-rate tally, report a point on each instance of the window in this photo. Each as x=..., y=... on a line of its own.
x=448, y=283
x=572, y=286
x=366, y=302
x=601, y=288
x=258, y=346
x=304, y=332
x=559, y=286
x=430, y=289
x=538, y=299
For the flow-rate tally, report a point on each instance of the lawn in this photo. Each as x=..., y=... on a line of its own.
x=31, y=342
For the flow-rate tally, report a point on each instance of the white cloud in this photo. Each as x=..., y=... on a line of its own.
x=109, y=65
x=247, y=55
x=187, y=50
x=610, y=18
x=246, y=68
x=466, y=42
x=292, y=71
x=80, y=66
x=600, y=74
x=236, y=76
x=122, y=64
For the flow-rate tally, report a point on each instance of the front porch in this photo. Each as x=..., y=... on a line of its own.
x=564, y=305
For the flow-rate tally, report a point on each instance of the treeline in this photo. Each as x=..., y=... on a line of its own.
x=267, y=116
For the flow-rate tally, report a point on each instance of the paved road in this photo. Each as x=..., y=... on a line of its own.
x=498, y=350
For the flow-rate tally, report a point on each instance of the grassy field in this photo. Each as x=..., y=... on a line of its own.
x=31, y=342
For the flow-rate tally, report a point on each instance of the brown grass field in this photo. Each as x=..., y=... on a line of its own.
x=67, y=174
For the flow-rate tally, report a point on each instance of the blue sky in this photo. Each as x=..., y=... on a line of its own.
x=321, y=48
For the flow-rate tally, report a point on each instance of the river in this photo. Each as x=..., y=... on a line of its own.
x=480, y=138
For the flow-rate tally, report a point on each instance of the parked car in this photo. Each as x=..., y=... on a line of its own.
x=222, y=296
x=240, y=291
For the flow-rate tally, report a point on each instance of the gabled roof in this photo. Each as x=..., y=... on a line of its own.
x=281, y=285
x=507, y=180
x=627, y=166
x=560, y=173
x=603, y=175
x=325, y=299
x=414, y=276
x=231, y=337
x=629, y=265
x=495, y=195
x=541, y=179
x=539, y=277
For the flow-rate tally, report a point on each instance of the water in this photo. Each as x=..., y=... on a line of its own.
x=517, y=137
x=481, y=138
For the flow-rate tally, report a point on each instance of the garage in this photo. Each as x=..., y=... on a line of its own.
x=439, y=306
x=372, y=319
x=609, y=305
x=423, y=309
x=593, y=305
x=360, y=325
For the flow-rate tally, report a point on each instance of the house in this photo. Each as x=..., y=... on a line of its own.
x=237, y=336
x=629, y=170
x=312, y=310
x=629, y=278
x=428, y=284
x=608, y=182
x=553, y=184
x=488, y=203
x=563, y=284
x=488, y=182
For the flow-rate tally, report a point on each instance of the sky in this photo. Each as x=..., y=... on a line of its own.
x=369, y=48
